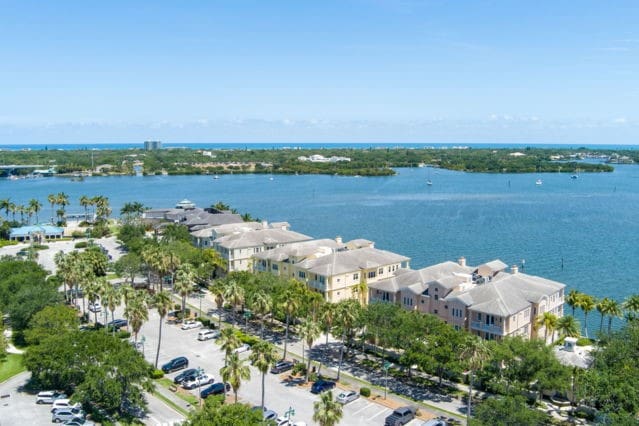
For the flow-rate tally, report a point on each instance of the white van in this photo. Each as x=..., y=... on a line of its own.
x=64, y=403
x=49, y=397
x=208, y=334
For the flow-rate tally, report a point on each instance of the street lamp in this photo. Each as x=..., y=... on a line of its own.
x=199, y=388
x=142, y=340
x=288, y=413
x=386, y=367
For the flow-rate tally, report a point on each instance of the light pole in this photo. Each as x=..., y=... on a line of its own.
x=199, y=390
x=386, y=367
x=142, y=340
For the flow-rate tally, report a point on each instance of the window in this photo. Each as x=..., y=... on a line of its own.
x=436, y=297
x=275, y=267
x=256, y=250
x=372, y=274
x=435, y=311
x=527, y=314
x=321, y=279
x=386, y=296
x=478, y=316
x=356, y=276
x=380, y=271
x=302, y=274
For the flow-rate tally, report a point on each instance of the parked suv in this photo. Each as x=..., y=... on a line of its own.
x=282, y=366
x=48, y=397
x=64, y=414
x=322, y=386
x=185, y=375
x=175, y=364
x=400, y=416
x=208, y=335
x=63, y=403
x=215, y=389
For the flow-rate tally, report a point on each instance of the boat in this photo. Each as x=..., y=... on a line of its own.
x=538, y=182
x=429, y=182
x=271, y=178
x=574, y=177
x=216, y=177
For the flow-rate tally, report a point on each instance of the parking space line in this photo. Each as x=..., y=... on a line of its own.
x=382, y=411
x=363, y=408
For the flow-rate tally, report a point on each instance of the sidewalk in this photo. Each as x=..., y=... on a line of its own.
x=351, y=374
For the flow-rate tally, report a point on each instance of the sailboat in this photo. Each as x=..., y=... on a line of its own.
x=428, y=181
x=539, y=182
x=576, y=175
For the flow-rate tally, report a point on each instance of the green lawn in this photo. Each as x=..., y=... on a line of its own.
x=11, y=366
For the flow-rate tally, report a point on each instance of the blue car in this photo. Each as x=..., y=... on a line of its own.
x=176, y=364
x=322, y=386
x=215, y=389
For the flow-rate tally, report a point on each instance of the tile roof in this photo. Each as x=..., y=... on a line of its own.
x=259, y=237
x=351, y=261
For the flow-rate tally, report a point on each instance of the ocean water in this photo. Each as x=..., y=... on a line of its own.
x=582, y=232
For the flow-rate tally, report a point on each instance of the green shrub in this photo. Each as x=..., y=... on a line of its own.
x=299, y=369
x=313, y=377
x=40, y=247
x=245, y=338
x=81, y=244
x=157, y=374
x=205, y=321
x=4, y=243
x=365, y=392
x=78, y=234
x=584, y=341
x=123, y=334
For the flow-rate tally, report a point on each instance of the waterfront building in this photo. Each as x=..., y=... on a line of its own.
x=36, y=233
x=187, y=213
x=486, y=300
x=203, y=237
x=237, y=248
x=152, y=145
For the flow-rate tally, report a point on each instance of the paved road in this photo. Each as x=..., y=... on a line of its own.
x=18, y=407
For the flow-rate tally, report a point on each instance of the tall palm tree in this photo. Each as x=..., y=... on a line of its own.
x=263, y=356
x=137, y=312
x=62, y=200
x=586, y=303
x=234, y=372
x=631, y=306
x=4, y=205
x=162, y=302
x=614, y=311
x=290, y=305
x=327, y=411
x=345, y=317
x=603, y=307
x=234, y=294
x=309, y=331
x=474, y=354
x=85, y=202
x=261, y=305
x=111, y=299
x=217, y=290
x=568, y=326
x=549, y=322
x=184, y=279
x=361, y=290
x=36, y=206
x=62, y=269
x=327, y=319
x=572, y=299
x=228, y=342
x=53, y=200
x=91, y=292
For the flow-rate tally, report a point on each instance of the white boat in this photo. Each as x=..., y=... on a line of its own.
x=429, y=182
x=539, y=182
x=574, y=177
x=270, y=178
x=216, y=177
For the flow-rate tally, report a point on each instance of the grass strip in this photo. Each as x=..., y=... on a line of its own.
x=11, y=366
x=171, y=404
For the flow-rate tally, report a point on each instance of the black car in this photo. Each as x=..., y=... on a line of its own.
x=175, y=364
x=215, y=389
x=117, y=324
x=322, y=386
x=282, y=366
x=189, y=374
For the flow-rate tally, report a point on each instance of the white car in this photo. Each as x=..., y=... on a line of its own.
x=204, y=379
x=189, y=325
x=64, y=403
x=95, y=307
x=49, y=397
x=244, y=348
x=346, y=397
x=282, y=421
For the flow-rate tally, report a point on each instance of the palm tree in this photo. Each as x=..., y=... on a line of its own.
x=111, y=300
x=568, y=326
x=290, y=305
x=587, y=303
x=234, y=372
x=218, y=295
x=327, y=411
x=62, y=266
x=163, y=302
x=361, y=290
x=85, y=202
x=36, y=206
x=53, y=200
x=572, y=299
x=234, y=294
x=137, y=312
x=614, y=310
x=263, y=356
x=603, y=307
x=327, y=317
x=474, y=353
x=104, y=287
x=228, y=341
x=631, y=306
x=549, y=322
x=91, y=289
x=309, y=331
x=262, y=305
x=184, y=283
x=62, y=200
x=345, y=317
x=4, y=205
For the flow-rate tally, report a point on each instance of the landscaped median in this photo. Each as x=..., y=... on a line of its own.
x=11, y=366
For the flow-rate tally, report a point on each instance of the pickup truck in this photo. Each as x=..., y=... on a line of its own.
x=400, y=416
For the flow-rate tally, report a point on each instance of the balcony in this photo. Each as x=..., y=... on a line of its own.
x=317, y=285
x=488, y=328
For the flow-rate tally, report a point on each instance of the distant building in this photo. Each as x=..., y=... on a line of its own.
x=36, y=233
x=152, y=145
x=187, y=213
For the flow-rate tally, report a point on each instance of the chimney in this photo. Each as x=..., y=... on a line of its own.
x=338, y=239
x=514, y=269
x=462, y=261
x=264, y=224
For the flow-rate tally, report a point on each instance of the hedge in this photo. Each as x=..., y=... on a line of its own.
x=157, y=374
x=365, y=392
x=81, y=244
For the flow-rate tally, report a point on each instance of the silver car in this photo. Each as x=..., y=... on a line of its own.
x=346, y=397
x=65, y=414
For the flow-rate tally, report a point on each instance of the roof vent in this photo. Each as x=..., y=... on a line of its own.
x=514, y=269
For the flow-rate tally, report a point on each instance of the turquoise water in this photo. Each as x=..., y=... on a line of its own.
x=591, y=223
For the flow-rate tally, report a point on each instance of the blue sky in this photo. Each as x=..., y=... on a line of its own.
x=346, y=70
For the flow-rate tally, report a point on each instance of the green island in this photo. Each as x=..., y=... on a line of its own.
x=344, y=161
